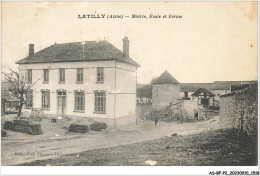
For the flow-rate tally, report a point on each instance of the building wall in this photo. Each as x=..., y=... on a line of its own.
x=126, y=89
x=125, y=82
x=183, y=95
x=244, y=103
x=164, y=94
x=228, y=112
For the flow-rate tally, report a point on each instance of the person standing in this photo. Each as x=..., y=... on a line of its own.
x=156, y=120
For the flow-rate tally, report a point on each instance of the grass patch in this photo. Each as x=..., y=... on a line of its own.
x=211, y=148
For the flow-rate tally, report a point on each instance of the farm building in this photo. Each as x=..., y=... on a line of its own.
x=187, y=89
x=166, y=89
x=203, y=97
x=222, y=87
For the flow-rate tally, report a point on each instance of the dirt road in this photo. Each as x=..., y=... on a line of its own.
x=19, y=148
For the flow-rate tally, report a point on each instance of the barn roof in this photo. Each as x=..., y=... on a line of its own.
x=71, y=52
x=224, y=85
x=204, y=91
x=192, y=87
x=166, y=78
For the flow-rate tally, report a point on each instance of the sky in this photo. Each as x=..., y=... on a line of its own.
x=213, y=41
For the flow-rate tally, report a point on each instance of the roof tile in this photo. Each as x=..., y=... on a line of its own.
x=69, y=52
x=166, y=78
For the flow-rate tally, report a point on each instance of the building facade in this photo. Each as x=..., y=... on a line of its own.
x=90, y=79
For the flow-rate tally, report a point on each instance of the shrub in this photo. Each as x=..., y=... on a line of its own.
x=23, y=126
x=78, y=128
x=98, y=126
x=149, y=114
x=3, y=133
x=8, y=125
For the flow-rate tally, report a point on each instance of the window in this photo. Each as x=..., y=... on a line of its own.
x=79, y=75
x=100, y=75
x=29, y=99
x=186, y=94
x=29, y=75
x=46, y=99
x=100, y=101
x=62, y=75
x=45, y=76
x=79, y=101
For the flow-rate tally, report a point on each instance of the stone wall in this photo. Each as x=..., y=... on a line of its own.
x=164, y=94
x=240, y=110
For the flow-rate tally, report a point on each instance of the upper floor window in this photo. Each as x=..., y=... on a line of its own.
x=45, y=99
x=79, y=101
x=79, y=75
x=29, y=99
x=100, y=102
x=29, y=75
x=46, y=76
x=62, y=75
x=100, y=75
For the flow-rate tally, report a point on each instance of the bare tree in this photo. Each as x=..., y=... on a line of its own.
x=18, y=86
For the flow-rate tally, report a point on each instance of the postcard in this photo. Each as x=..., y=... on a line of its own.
x=130, y=84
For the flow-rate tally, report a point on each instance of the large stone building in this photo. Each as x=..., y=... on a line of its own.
x=166, y=89
x=89, y=79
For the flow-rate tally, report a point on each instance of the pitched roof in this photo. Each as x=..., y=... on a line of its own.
x=204, y=91
x=166, y=78
x=6, y=94
x=244, y=85
x=192, y=87
x=224, y=85
x=70, y=52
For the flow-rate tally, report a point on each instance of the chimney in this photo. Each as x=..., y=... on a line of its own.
x=31, y=49
x=126, y=46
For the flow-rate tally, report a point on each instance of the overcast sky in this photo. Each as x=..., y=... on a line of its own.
x=212, y=41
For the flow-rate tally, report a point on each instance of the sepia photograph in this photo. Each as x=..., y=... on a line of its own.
x=130, y=84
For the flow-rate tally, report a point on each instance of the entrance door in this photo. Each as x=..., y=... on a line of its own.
x=61, y=103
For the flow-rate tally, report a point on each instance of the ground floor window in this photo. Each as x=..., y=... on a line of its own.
x=79, y=101
x=29, y=99
x=100, y=101
x=45, y=99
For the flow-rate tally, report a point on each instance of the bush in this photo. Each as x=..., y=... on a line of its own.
x=78, y=128
x=8, y=125
x=23, y=127
x=162, y=114
x=3, y=133
x=98, y=126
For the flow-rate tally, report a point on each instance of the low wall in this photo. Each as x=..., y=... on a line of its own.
x=240, y=110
